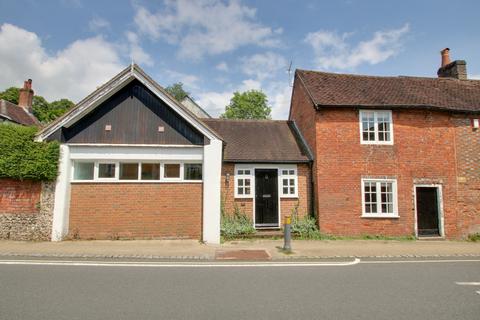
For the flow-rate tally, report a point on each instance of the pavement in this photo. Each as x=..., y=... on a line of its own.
x=239, y=250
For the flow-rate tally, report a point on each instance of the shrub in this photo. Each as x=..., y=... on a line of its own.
x=235, y=225
x=23, y=158
x=474, y=237
x=305, y=228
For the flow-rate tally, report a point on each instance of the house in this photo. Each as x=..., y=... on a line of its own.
x=135, y=163
x=21, y=113
x=191, y=105
x=393, y=155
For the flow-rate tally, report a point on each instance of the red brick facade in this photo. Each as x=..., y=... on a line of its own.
x=136, y=210
x=20, y=197
x=429, y=148
x=287, y=205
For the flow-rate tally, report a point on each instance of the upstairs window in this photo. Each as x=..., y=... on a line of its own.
x=376, y=127
x=243, y=183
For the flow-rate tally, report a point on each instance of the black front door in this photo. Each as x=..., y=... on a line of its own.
x=266, y=198
x=427, y=211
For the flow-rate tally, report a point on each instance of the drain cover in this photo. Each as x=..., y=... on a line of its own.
x=242, y=255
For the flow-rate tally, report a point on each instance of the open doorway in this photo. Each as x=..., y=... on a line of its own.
x=428, y=211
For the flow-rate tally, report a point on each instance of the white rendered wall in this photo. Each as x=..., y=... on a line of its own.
x=62, y=196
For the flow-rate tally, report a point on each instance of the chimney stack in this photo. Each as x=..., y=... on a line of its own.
x=26, y=96
x=456, y=69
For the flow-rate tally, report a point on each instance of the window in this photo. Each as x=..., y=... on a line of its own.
x=289, y=185
x=379, y=198
x=83, y=170
x=243, y=183
x=171, y=170
x=106, y=170
x=376, y=127
x=150, y=171
x=192, y=171
x=128, y=171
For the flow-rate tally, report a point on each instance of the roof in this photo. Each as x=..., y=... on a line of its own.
x=260, y=140
x=105, y=91
x=17, y=114
x=193, y=106
x=332, y=89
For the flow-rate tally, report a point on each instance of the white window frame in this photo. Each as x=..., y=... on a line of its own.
x=375, y=116
x=250, y=177
x=288, y=176
x=162, y=171
x=96, y=171
x=379, y=198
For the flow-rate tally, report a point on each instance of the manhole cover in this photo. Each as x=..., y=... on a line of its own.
x=242, y=255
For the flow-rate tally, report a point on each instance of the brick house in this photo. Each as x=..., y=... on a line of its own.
x=393, y=155
x=135, y=163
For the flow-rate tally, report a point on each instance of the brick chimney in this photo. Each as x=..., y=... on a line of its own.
x=26, y=96
x=456, y=69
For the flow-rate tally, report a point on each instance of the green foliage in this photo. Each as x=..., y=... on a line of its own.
x=11, y=94
x=252, y=104
x=474, y=237
x=305, y=228
x=177, y=91
x=46, y=112
x=23, y=158
x=235, y=225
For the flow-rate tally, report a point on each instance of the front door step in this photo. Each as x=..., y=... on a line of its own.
x=242, y=255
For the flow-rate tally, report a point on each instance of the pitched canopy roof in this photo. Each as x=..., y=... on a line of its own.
x=16, y=114
x=260, y=140
x=331, y=89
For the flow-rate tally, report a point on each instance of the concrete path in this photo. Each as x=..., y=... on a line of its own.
x=191, y=249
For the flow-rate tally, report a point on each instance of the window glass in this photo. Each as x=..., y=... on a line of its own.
x=150, y=171
x=128, y=171
x=288, y=182
x=83, y=170
x=171, y=170
x=379, y=197
x=376, y=126
x=193, y=171
x=106, y=170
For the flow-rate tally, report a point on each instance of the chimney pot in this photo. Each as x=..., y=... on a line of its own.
x=445, y=56
x=456, y=69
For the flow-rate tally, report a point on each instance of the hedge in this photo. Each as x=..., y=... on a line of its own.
x=22, y=158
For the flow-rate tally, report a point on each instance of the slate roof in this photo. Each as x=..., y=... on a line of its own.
x=16, y=114
x=260, y=140
x=332, y=89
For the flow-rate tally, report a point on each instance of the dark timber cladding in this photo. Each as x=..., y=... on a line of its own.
x=134, y=115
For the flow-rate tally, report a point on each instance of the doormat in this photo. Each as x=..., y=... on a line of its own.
x=242, y=255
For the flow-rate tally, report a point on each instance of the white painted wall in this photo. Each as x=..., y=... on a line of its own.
x=62, y=196
x=212, y=168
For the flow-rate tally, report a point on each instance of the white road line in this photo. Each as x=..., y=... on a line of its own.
x=478, y=292
x=177, y=265
x=468, y=283
x=416, y=261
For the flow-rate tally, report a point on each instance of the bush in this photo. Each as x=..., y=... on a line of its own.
x=305, y=228
x=236, y=225
x=474, y=237
x=23, y=158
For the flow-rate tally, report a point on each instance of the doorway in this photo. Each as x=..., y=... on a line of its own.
x=428, y=211
x=266, y=198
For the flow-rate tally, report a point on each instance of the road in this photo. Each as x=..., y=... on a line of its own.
x=366, y=290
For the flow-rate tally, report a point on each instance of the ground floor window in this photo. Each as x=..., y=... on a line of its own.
x=289, y=182
x=243, y=183
x=379, y=198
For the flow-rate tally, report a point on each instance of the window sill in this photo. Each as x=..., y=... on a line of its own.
x=134, y=181
x=288, y=196
x=380, y=216
x=375, y=143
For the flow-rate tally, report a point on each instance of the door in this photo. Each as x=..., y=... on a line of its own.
x=266, y=198
x=427, y=211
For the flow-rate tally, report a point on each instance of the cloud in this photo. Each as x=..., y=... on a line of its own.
x=189, y=80
x=70, y=73
x=205, y=27
x=137, y=54
x=263, y=65
x=475, y=77
x=334, y=52
x=96, y=24
x=222, y=66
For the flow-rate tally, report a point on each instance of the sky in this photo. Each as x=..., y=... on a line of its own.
x=216, y=47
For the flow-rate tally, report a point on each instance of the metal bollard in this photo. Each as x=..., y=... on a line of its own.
x=287, y=237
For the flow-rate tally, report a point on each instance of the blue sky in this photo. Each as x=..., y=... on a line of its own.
x=69, y=47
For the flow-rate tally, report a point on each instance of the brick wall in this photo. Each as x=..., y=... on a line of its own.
x=468, y=171
x=26, y=209
x=286, y=204
x=423, y=152
x=136, y=210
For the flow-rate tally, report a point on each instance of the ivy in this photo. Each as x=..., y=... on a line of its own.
x=22, y=158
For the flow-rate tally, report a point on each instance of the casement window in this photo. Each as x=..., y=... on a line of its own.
x=288, y=186
x=243, y=183
x=128, y=171
x=376, y=127
x=379, y=198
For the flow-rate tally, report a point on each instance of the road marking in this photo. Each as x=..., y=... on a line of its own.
x=478, y=292
x=468, y=283
x=177, y=265
x=416, y=261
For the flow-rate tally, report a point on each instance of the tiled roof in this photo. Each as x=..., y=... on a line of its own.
x=259, y=140
x=332, y=89
x=16, y=114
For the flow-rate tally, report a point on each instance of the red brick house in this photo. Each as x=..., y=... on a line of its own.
x=393, y=155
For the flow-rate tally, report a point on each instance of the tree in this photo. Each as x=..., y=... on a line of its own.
x=177, y=91
x=11, y=95
x=252, y=104
x=46, y=112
